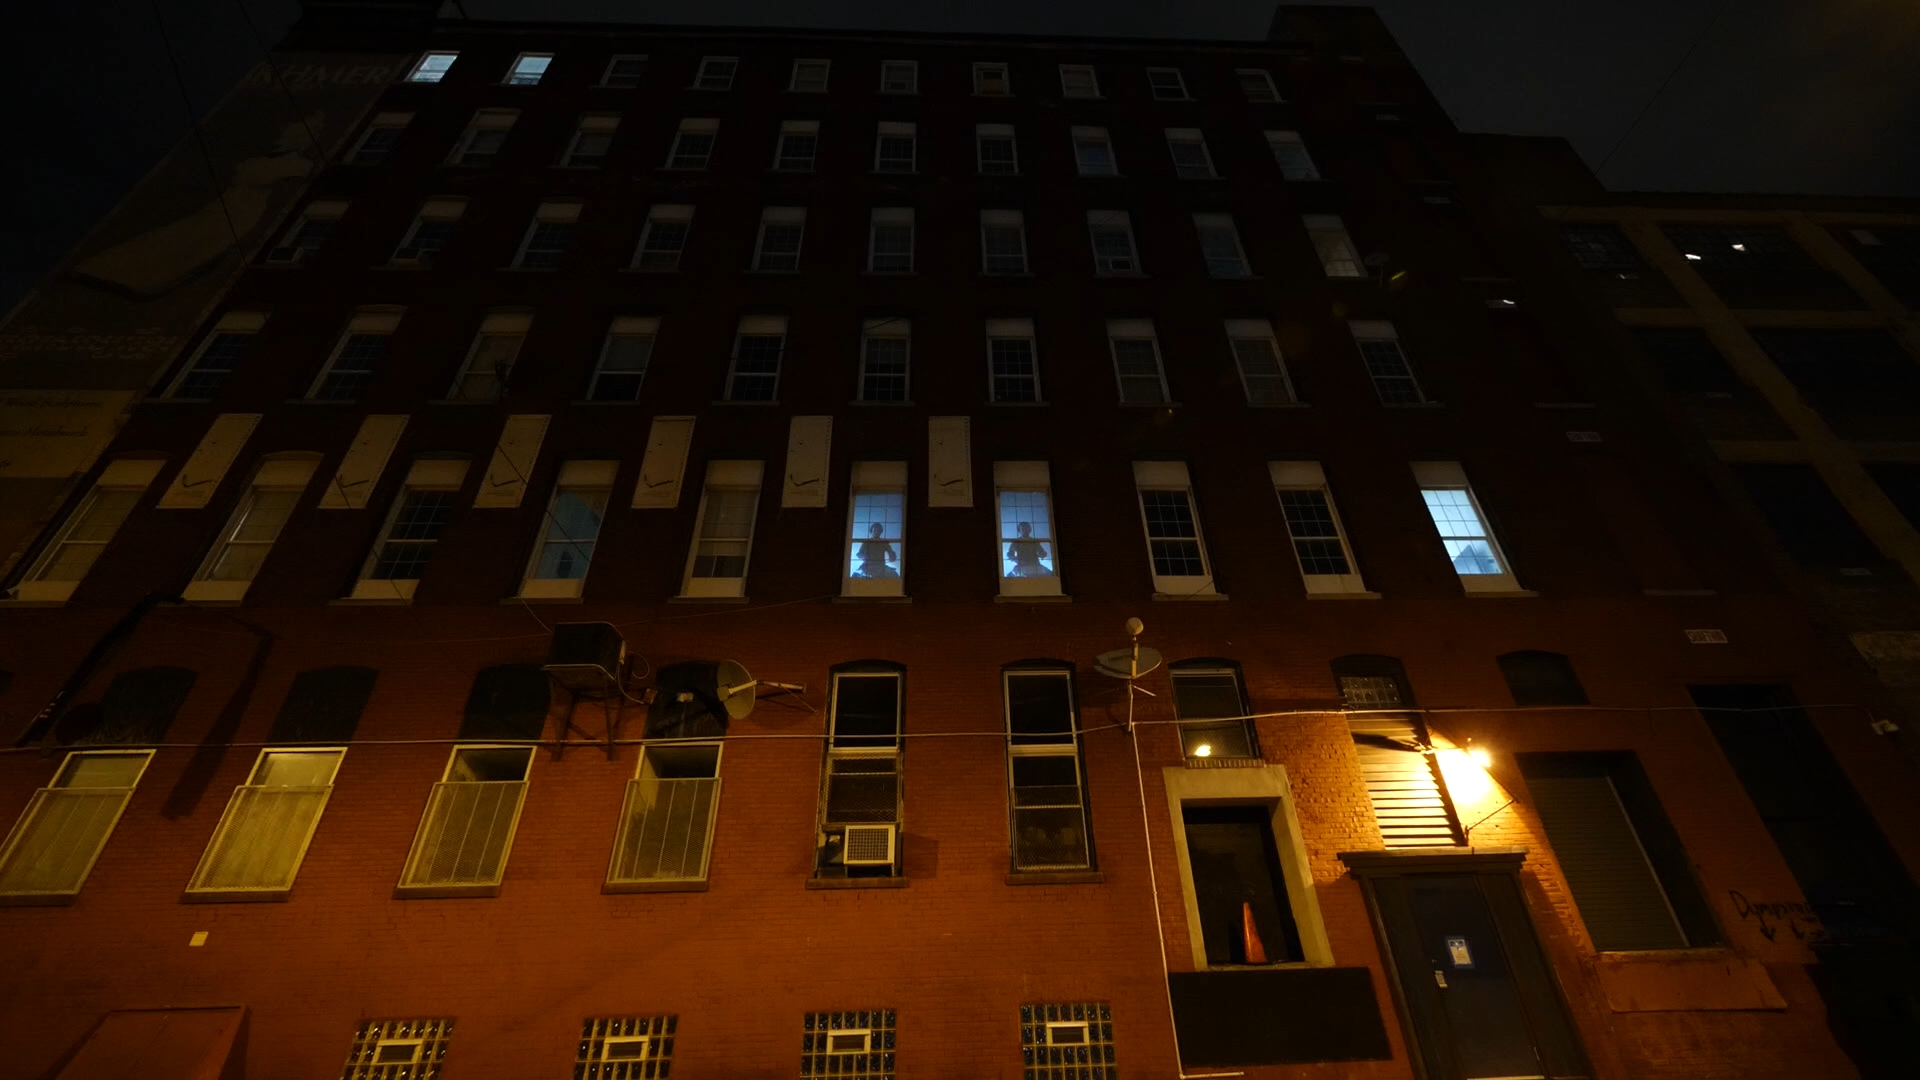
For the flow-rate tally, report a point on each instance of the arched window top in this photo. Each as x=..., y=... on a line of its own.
x=136, y=710
x=508, y=701
x=1536, y=678
x=323, y=705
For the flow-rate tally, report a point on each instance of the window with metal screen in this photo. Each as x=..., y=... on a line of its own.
x=1245, y=915
x=1404, y=784
x=1048, y=800
x=398, y=1049
x=323, y=705
x=626, y=1048
x=507, y=701
x=666, y=825
x=1067, y=1041
x=53, y=846
x=1202, y=693
x=1541, y=678
x=861, y=782
x=262, y=837
x=857, y=1045
x=1806, y=517
x=1622, y=861
x=467, y=829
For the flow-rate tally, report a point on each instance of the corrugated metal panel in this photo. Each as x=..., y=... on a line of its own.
x=1613, y=884
x=1409, y=799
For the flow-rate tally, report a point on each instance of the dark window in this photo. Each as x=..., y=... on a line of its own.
x=1847, y=370
x=1891, y=252
x=507, y=702
x=1687, y=361
x=1900, y=482
x=1758, y=266
x=1810, y=523
x=1541, y=678
x=1048, y=790
x=323, y=705
x=861, y=785
x=1623, y=862
x=138, y=707
x=1244, y=914
x=1601, y=247
x=866, y=709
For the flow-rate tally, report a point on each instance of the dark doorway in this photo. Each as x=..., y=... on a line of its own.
x=1477, y=998
x=1236, y=874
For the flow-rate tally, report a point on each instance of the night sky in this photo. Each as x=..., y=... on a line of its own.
x=1815, y=96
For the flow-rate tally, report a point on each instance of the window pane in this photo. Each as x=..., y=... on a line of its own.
x=866, y=710
x=726, y=531
x=875, y=549
x=1461, y=531
x=1316, y=539
x=1040, y=710
x=422, y=517
x=884, y=369
x=1026, y=535
x=572, y=527
x=296, y=769
x=1013, y=370
x=101, y=770
x=1171, y=536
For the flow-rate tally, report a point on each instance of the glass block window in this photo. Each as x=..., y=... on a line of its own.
x=625, y=1048
x=398, y=1049
x=848, y=1044
x=1072, y=1041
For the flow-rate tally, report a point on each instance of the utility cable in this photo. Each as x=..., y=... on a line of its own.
x=1719, y=6
x=273, y=72
x=193, y=120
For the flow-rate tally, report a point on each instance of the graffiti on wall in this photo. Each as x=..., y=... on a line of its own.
x=1800, y=920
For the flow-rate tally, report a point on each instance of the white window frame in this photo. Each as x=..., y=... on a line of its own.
x=387, y=121
x=365, y=323
x=891, y=217
x=779, y=216
x=515, y=77
x=1438, y=476
x=889, y=329
x=701, y=75
x=1014, y=330
x=252, y=801
x=1003, y=219
x=886, y=478
x=1293, y=141
x=1221, y=222
x=1180, y=84
x=129, y=478
x=1178, y=137
x=290, y=252
x=1334, y=246
x=1093, y=82
x=1066, y=746
x=757, y=326
x=1262, y=331
x=982, y=79
x=1172, y=476
x=897, y=129
x=444, y=475
x=36, y=811
x=647, y=792
x=1308, y=476
x=591, y=125
x=1270, y=95
x=1029, y=478
x=247, y=324
x=1121, y=221
x=912, y=69
x=789, y=128
x=869, y=751
x=625, y=326
x=501, y=120
x=411, y=882
x=1374, y=330
x=500, y=326
x=548, y=213
x=668, y=214
x=424, y=70
x=1119, y=330
x=693, y=125
x=279, y=475
x=826, y=76
x=606, y=74
x=449, y=210
x=1092, y=135
x=730, y=476
x=984, y=132
x=583, y=480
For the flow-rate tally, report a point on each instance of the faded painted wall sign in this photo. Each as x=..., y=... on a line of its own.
x=1799, y=919
x=56, y=433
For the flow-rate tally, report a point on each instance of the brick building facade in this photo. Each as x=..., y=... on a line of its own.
x=907, y=370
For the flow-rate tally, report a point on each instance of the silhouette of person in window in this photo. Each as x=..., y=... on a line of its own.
x=1025, y=552
x=875, y=553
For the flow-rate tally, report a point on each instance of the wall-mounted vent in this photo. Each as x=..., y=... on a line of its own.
x=868, y=845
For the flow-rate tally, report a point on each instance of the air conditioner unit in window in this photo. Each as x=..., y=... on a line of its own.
x=586, y=656
x=867, y=845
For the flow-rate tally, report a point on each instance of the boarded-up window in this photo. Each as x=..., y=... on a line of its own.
x=508, y=701
x=139, y=706
x=1541, y=678
x=1409, y=797
x=1622, y=860
x=323, y=705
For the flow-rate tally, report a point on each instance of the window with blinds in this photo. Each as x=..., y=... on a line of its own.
x=1404, y=784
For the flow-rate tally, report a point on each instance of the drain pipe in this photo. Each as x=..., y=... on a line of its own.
x=116, y=635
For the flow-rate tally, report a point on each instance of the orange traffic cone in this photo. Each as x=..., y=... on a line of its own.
x=1250, y=935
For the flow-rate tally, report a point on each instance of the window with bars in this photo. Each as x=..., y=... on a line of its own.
x=1313, y=526
x=1256, y=354
x=623, y=359
x=52, y=847
x=663, y=238
x=624, y=71
x=693, y=144
x=716, y=73
x=219, y=354
x=1079, y=81
x=480, y=143
x=1220, y=246
x=1047, y=786
x=380, y=139
x=588, y=147
x=723, y=541
x=1013, y=365
x=1208, y=701
x=1093, y=152
x=885, y=354
x=490, y=359
x=666, y=824
x=754, y=374
x=1335, y=248
x=569, y=530
x=1290, y=153
x=991, y=80
x=1386, y=364
x=899, y=77
x=809, y=76
x=1175, y=553
x=890, y=242
x=429, y=233
x=1029, y=556
x=1457, y=517
x=466, y=831
x=1003, y=242
x=1067, y=1041
x=995, y=150
x=876, y=544
x=798, y=144
x=861, y=782
x=528, y=69
x=858, y=1045
x=1167, y=84
x=626, y=1048
x=1112, y=235
x=432, y=67
x=262, y=837
x=398, y=1049
x=777, y=249
x=73, y=549
x=894, y=147
x=1191, y=161
x=1136, y=362
x=308, y=233
x=1257, y=85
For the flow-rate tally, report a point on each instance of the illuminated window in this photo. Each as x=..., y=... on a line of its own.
x=876, y=560
x=528, y=69
x=466, y=831
x=262, y=837
x=1202, y=693
x=1028, y=554
x=432, y=67
x=1457, y=517
x=569, y=530
x=666, y=826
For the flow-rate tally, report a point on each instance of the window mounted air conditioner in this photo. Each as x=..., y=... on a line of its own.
x=859, y=1041
x=867, y=845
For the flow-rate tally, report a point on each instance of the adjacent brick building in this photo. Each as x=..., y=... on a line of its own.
x=901, y=372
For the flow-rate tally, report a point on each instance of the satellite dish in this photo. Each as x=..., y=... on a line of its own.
x=735, y=689
x=1120, y=663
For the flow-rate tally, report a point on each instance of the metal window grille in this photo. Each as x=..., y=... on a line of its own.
x=820, y=1053
x=398, y=1049
x=1172, y=537
x=417, y=524
x=1013, y=370
x=756, y=367
x=465, y=835
x=358, y=360
x=666, y=829
x=1261, y=371
x=1048, y=792
x=626, y=1048
x=1136, y=362
x=1316, y=536
x=1067, y=1041
x=1392, y=377
x=862, y=788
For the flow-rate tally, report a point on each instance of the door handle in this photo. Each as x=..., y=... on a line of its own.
x=1440, y=978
